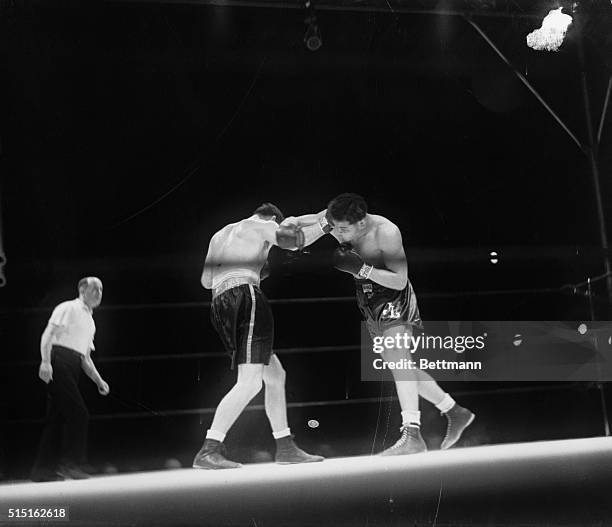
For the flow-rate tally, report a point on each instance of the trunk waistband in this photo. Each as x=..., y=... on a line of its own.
x=229, y=283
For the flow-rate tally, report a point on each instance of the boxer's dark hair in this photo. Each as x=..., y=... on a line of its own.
x=348, y=207
x=269, y=209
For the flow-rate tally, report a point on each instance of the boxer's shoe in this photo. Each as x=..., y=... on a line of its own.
x=212, y=456
x=459, y=419
x=411, y=442
x=287, y=452
x=45, y=475
x=70, y=471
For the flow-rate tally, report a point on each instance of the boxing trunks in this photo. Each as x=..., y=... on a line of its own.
x=242, y=317
x=384, y=308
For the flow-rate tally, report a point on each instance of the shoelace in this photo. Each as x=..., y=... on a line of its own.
x=402, y=440
x=449, y=423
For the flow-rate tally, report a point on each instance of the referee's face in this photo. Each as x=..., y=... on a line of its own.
x=92, y=294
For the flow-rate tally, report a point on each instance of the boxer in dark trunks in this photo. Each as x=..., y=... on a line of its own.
x=234, y=267
x=372, y=251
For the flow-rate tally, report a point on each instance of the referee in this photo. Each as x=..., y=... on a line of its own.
x=65, y=349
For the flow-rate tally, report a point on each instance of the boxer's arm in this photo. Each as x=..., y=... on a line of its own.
x=206, y=279
x=310, y=225
x=286, y=236
x=389, y=240
x=264, y=272
x=307, y=219
x=207, y=273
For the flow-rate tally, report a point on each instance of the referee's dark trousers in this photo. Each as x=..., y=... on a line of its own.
x=64, y=437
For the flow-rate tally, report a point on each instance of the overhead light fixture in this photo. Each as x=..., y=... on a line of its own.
x=312, y=37
x=550, y=36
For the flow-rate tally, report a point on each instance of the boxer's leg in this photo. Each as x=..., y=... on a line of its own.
x=458, y=418
x=248, y=385
x=276, y=409
x=406, y=384
x=406, y=381
x=275, y=402
x=428, y=388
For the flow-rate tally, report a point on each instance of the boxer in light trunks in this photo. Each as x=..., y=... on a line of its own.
x=241, y=315
x=371, y=250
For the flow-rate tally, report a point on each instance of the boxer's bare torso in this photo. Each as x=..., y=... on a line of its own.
x=371, y=246
x=238, y=251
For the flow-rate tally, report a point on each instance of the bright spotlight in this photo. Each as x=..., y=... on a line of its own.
x=550, y=36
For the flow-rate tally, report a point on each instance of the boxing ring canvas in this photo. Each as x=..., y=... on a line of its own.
x=541, y=483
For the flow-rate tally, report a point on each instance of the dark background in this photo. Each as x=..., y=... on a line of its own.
x=130, y=133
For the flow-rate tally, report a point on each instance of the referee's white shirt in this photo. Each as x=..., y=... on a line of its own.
x=75, y=319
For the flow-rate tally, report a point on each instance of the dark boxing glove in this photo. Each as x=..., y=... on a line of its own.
x=348, y=260
x=290, y=237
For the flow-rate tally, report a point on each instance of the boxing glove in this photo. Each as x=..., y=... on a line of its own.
x=346, y=259
x=290, y=237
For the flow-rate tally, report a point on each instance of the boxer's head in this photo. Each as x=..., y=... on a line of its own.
x=269, y=211
x=90, y=291
x=348, y=212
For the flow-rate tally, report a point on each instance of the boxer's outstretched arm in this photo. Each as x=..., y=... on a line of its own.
x=287, y=235
x=310, y=224
x=389, y=240
x=308, y=219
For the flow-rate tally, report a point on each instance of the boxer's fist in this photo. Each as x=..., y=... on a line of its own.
x=290, y=237
x=348, y=260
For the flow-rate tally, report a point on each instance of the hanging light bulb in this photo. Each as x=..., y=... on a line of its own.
x=312, y=37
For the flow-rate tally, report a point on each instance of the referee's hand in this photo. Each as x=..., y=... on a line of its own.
x=45, y=372
x=103, y=388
